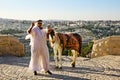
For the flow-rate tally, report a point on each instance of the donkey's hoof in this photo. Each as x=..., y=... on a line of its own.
x=56, y=67
x=73, y=65
x=60, y=67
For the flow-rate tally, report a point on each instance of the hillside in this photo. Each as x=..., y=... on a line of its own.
x=89, y=30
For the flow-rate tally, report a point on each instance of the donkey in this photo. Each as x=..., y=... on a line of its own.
x=60, y=41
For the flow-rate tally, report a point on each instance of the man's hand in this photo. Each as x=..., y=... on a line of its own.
x=33, y=24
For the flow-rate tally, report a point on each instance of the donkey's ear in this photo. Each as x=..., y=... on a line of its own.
x=48, y=26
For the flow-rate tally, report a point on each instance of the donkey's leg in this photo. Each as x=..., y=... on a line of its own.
x=60, y=50
x=74, y=57
x=55, y=57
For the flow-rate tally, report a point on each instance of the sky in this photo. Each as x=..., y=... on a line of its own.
x=60, y=9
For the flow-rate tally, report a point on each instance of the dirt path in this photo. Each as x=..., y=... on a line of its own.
x=102, y=68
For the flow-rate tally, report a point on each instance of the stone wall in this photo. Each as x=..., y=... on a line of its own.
x=11, y=46
x=109, y=45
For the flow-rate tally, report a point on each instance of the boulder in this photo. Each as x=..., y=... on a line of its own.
x=10, y=45
x=106, y=46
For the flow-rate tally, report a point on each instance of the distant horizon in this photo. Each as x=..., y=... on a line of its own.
x=55, y=19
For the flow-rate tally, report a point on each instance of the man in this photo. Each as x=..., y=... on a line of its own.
x=39, y=50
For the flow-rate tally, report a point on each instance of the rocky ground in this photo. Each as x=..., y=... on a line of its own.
x=102, y=68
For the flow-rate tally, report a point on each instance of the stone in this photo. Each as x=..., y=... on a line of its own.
x=106, y=46
x=10, y=45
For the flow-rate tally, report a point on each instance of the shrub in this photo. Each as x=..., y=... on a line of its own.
x=86, y=49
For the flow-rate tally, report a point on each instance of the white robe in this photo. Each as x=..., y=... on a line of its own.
x=39, y=50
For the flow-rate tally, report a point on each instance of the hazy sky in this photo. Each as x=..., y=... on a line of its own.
x=60, y=9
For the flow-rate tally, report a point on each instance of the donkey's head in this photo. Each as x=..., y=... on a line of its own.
x=51, y=35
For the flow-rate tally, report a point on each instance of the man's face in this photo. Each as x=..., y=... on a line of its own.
x=39, y=24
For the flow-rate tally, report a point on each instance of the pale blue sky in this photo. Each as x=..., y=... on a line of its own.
x=60, y=9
